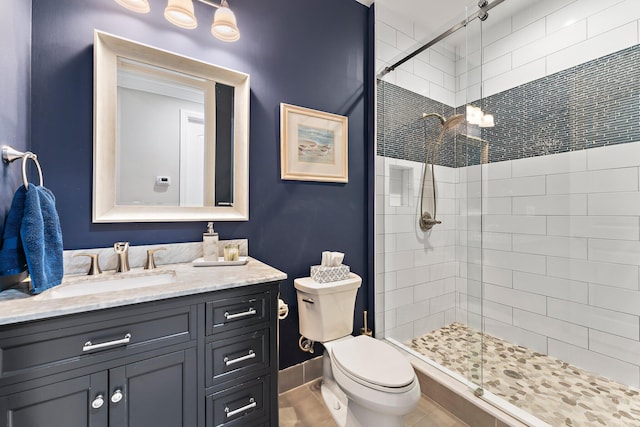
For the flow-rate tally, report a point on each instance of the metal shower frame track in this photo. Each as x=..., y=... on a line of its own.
x=481, y=12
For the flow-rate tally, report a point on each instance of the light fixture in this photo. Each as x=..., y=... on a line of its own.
x=181, y=13
x=140, y=6
x=475, y=116
x=486, y=121
x=224, y=25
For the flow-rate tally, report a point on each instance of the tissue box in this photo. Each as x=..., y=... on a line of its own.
x=323, y=274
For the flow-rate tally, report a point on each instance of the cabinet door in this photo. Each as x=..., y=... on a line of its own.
x=159, y=392
x=77, y=402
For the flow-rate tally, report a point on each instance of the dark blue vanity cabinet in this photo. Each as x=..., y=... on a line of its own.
x=202, y=360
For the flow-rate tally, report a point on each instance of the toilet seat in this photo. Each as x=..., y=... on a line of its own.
x=373, y=364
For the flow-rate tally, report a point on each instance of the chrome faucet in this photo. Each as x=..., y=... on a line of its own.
x=122, y=250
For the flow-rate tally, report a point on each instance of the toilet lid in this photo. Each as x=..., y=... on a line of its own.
x=373, y=362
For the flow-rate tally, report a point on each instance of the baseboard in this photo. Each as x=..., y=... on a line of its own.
x=297, y=375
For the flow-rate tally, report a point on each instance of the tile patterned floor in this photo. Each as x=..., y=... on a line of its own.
x=552, y=390
x=303, y=407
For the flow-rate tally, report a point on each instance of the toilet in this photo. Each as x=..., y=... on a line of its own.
x=365, y=382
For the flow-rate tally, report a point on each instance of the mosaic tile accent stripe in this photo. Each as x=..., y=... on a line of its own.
x=591, y=105
x=402, y=131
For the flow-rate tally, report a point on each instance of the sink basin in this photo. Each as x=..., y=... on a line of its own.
x=113, y=283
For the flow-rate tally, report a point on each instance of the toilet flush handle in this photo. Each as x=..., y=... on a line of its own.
x=305, y=344
x=308, y=300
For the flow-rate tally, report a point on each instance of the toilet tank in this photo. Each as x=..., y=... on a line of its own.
x=326, y=309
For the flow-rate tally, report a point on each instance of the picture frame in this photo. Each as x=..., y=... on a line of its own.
x=313, y=145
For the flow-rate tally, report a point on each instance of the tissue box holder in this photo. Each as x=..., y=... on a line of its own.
x=322, y=274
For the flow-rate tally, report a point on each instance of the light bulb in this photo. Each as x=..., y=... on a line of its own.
x=487, y=121
x=224, y=25
x=180, y=13
x=474, y=115
x=140, y=6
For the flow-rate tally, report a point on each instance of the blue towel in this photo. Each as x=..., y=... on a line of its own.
x=42, y=238
x=12, y=258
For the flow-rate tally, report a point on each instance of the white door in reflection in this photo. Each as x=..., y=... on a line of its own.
x=192, y=157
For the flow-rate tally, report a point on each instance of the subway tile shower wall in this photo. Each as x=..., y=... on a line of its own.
x=591, y=105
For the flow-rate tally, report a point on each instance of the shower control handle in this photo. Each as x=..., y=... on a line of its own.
x=426, y=222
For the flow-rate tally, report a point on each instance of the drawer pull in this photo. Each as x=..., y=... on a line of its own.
x=228, y=362
x=230, y=413
x=88, y=346
x=249, y=312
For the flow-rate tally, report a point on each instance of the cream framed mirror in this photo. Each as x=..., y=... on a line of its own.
x=171, y=136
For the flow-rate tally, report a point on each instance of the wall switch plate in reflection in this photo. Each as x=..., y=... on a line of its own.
x=163, y=180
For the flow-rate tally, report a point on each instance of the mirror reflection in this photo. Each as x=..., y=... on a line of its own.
x=178, y=148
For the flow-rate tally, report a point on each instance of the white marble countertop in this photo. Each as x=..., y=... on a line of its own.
x=17, y=306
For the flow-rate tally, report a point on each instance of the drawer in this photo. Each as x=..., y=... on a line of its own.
x=232, y=357
x=243, y=405
x=237, y=312
x=71, y=340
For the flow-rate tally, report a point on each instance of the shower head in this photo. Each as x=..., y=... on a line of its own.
x=448, y=123
x=426, y=220
x=426, y=115
x=453, y=121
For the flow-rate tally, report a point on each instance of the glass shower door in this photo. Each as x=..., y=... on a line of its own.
x=428, y=290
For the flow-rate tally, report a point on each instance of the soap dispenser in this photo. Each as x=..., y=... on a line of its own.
x=210, y=244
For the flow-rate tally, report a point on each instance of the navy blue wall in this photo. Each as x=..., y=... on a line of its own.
x=304, y=52
x=15, y=51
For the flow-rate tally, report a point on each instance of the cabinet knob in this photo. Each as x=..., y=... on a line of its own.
x=116, y=396
x=98, y=402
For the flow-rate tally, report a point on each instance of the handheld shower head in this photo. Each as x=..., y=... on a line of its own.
x=453, y=121
x=448, y=123
x=441, y=118
x=426, y=221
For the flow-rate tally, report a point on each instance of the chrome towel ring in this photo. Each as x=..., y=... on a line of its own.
x=9, y=154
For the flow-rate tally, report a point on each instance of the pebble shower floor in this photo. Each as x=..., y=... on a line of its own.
x=548, y=388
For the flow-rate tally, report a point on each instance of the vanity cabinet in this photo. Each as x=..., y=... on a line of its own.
x=152, y=392
x=202, y=360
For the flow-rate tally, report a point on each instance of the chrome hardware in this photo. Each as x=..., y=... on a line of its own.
x=94, y=267
x=98, y=402
x=482, y=13
x=9, y=154
x=88, y=346
x=305, y=344
x=228, y=362
x=122, y=250
x=249, y=312
x=230, y=413
x=116, y=396
x=427, y=223
x=150, y=264
x=308, y=300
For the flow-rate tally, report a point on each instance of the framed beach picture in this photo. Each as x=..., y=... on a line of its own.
x=313, y=145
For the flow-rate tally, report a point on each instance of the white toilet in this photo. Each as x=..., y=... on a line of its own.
x=365, y=382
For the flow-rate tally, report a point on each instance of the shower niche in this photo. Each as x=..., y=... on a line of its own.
x=400, y=186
